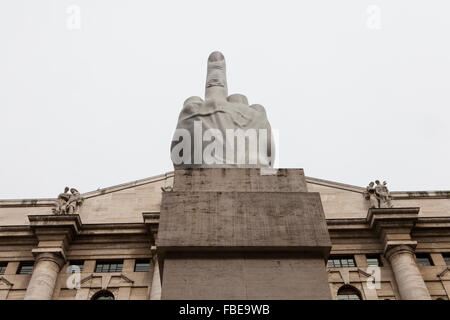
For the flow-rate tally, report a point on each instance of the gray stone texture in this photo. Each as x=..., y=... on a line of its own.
x=243, y=220
x=241, y=233
x=407, y=274
x=245, y=276
x=113, y=228
x=221, y=112
x=240, y=180
x=43, y=279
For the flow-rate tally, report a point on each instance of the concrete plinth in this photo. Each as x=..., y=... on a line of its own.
x=254, y=236
x=244, y=276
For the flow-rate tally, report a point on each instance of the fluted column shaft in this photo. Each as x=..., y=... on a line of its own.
x=407, y=274
x=43, y=278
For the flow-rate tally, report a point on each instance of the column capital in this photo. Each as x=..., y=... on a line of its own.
x=392, y=217
x=394, y=225
x=54, y=233
x=56, y=257
x=401, y=248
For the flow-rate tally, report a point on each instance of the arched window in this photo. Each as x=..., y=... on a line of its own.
x=348, y=293
x=103, y=295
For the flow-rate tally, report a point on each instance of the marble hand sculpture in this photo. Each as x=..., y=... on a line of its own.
x=222, y=130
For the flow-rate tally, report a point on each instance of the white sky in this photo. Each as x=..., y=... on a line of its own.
x=97, y=106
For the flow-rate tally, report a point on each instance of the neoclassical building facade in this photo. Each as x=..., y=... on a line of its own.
x=106, y=247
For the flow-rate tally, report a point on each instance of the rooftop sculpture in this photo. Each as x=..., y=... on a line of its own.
x=67, y=203
x=378, y=195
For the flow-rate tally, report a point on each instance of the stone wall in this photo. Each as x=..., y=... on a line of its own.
x=113, y=227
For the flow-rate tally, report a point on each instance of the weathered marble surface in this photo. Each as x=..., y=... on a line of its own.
x=221, y=112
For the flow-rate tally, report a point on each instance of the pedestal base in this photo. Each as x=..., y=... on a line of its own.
x=245, y=276
x=263, y=238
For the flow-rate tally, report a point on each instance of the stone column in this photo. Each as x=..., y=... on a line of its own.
x=54, y=234
x=407, y=274
x=43, y=279
x=394, y=226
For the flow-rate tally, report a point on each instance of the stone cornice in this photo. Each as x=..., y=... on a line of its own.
x=127, y=185
x=417, y=226
x=54, y=233
x=45, y=202
x=433, y=222
x=49, y=202
x=336, y=185
x=394, y=226
x=73, y=222
x=361, y=223
x=392, y=217
x=24, y=203
x=404, y=195
x=112, y=229
x=346, y=224
x=16, y=231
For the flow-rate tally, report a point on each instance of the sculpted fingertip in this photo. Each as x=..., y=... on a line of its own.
x=238, y=98
x=192, y=99
x=258, y=107
x=216, y=56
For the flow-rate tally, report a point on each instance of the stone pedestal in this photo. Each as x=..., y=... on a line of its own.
x=394, y=228
x=54, y=233
x=242, y=234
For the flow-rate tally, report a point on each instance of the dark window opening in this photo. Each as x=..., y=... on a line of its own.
x=103, y=295
x=423, y=259
x=373, y=261
x=25, y=267
x=142, y=266
x=341, y=262
x=109, y=266
x=75, y=266
x=348, y=293
x=3, y=266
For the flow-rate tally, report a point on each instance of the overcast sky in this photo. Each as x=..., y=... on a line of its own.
x=90, y=90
